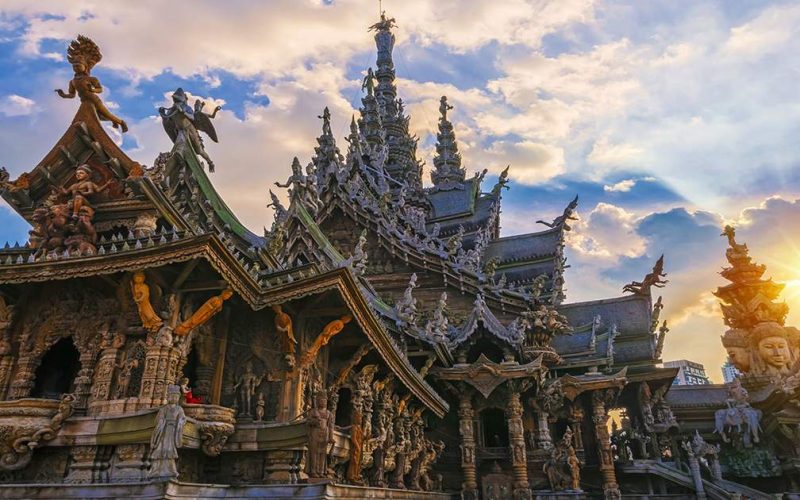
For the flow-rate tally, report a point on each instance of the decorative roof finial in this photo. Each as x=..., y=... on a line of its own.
x=447, y=162
x=84, y=54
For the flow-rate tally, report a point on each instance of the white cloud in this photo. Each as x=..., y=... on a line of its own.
x=620, y=187
x=604, y=153
x=16, y=105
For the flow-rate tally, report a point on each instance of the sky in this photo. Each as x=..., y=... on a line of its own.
x=669, y=118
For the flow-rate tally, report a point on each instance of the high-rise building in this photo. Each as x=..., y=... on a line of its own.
x=729, y=372
x=690, y=373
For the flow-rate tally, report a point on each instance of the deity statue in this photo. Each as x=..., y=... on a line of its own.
x=260, y=407
x=774, y=352
x=188, y=397
x=283, y=323
x=167, y=437
x=84, y=54
x=444, y=108
x=204, y=313
x=738, y=349
x=406, y=307
x=124, y=376
x=182, y=122
x=246, y=386
x=738, y=415
x=301, y=187
x=320, y=436
x=141, y=296
x=369, y=82
x=83, y=187
x=574, y=464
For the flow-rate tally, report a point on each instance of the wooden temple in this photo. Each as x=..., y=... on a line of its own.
x=380, y=340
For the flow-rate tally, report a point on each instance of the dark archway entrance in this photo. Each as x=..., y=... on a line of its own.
x=57, y=371
x=344, y=408
x=494, y=428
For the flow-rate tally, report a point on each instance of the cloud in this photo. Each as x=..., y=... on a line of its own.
x=620, y=187
x=604, y=153
x=16, y=105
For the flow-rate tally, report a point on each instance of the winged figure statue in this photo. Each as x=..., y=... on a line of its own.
x=183, y=122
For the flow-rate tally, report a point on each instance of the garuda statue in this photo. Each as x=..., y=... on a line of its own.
x=83, y=54
x=181, y=121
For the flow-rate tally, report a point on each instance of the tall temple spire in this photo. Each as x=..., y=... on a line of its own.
x=401, y=162
x=386, y=92
x=447, y=162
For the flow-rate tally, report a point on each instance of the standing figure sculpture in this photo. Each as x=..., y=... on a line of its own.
x=246, y=386
x=141, y=295
x=181, y=121
x=320, y=436
x=167, y=437
x=83, y=54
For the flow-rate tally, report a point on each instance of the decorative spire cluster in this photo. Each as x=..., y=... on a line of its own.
x=447, y=162
x=749, y=299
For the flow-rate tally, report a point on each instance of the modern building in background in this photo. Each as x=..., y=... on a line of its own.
x=690, y=373
x=729, y=372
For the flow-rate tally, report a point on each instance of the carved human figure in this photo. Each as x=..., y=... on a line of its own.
x=320, y=436
x=773, y=348
x=283, y=323
x=83, y=54
x=83, y=187
x=246, y=387
x=204, y=313
x=260, y=407
x=141, y=296
x=188, y=397
x=167, y=436
x=574, y=464
x=124, y=376
x=737, y=346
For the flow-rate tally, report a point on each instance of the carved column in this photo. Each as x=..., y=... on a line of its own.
x=101, y=390
x=160, y=370
x=23, y=381
x=283, y=466
x=606, y=465
x=576, y=424
x=543, y=439
x=83, y=380
x=516, y=441
x=469, y=488
x=697, y=478
x=6, y=364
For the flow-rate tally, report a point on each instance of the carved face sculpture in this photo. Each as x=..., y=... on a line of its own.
x=775, y=351
x=173, y=397
x=739, y=358
x=78, y=67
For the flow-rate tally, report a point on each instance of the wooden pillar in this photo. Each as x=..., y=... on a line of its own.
x=516, y=441
x=606, y=464
x=469, y=488
x=160, y=370
x=22, y=383
x=101, y=389
x=219, y=367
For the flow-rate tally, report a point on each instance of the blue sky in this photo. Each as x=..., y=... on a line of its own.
x=668, y=118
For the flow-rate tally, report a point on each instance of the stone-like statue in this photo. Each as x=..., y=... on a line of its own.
x=562, y=220
x=141, y=295
x=167, y=437
x=246, y=387
x=774, y=352
x=124, y=376
x=84, y=54
x=406, y=307
x=369, y=82
x=320, y=436
x=655, y=278
x=210, y=308
x=182, y=122
x=444, y=108
x=260, y=407
x=738, y=349
x=739, y=415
